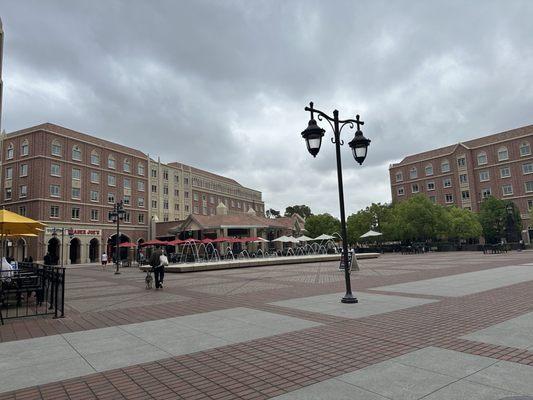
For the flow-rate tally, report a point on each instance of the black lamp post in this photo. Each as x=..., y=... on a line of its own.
x=117, y=214
x=54, y=234
x=510, y=223
x=359, y=145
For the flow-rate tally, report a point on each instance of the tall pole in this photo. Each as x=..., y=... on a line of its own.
x=62, y=244
x=117, y=241
x=348, y=297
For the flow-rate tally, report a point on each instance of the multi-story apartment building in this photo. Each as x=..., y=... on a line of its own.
x=465, y=173
x=178, y=190
x=71, y=181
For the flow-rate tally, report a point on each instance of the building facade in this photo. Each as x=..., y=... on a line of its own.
x=178, y=190
x=463, y=174
x=71, y=181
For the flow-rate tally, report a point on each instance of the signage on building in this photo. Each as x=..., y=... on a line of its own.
x=74, y=232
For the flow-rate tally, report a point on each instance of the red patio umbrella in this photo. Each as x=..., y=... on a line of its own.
x=207, y=241
x=127, y=244
x=191, y=240
x=154, y=242
x=175, y=242
x=225, y=239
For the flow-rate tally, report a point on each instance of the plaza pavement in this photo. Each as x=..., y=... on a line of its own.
x=431, y=326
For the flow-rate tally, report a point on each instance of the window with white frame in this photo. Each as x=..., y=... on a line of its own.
x=140, y=169
x=127, y=217
x=127, y=183
x=25, y=148
x=141, y=218
x=154, y=173
x=9, y=172
x=54, y=191
x=95, y=158
x=429, y=169
x=465, y=195
x=75, y=213
x=23, y=191
x=140, y=186
x=507, y=190
x=154, y=203
x=414, y=188
x=413, y=173
x=529, y=186
x=503, y=154
x=505, y=172
x=8, y=194
x=56, y=148
x=448, y=198
x=527, y=168
x=76, y=174
x=23, y=170
x=94, y=195
x=76, y=193
x=487, y=192
x=195, y=196
x=95, y=177
x=525, y=149
x=94, y=215
x=463, y=178
x=445, y=166
x=55, y=170
x=484, y=176
x=165, y=174
x=126, y=167
x=76, y=153
x=111, y=198
x=127, y=200
x=10, y=151
x=482, y=158
x=54, y=211
x=140, y=202
x=447, y=182
x=431, y=186
x=111, y=180
x=111, y=162
x=461, y=161
x=401, y=191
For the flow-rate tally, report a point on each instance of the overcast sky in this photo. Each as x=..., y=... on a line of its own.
x=222, y=85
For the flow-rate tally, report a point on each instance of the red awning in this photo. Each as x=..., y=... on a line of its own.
x=154, y=242
x=207, y=241
x=127, y=244
x=191, y=240
x=175, y=242
x=225, y=239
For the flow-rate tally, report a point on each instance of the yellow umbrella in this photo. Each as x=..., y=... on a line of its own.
x=13, y=224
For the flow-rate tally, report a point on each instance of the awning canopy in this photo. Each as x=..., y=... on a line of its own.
x=127, y=244
x=371, y=233
x=304, y=238
x=154, y=242
x=324, y=237
x=286, y=239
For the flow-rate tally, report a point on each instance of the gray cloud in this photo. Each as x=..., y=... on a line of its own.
x=222, y=84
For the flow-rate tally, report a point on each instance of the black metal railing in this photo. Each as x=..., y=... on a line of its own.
x=32, y=290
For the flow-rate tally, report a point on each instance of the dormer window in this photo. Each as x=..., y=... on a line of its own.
x=25, y=148
x=76, y=153
x=503, y=154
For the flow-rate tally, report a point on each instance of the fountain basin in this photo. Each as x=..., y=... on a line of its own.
x=256, y=262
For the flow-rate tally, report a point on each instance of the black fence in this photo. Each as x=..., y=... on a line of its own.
x=32, y=290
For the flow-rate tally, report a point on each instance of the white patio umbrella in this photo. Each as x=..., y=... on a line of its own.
x=324, y=237
x=283, y=239
x=293, y=239
x=304, y=238
x=371, y=233
x=261, y=240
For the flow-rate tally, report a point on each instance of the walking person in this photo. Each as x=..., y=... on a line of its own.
x=104, y=260
x=157, y=262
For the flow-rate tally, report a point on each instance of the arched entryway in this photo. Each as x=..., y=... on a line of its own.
x=111, y=247
x=20, y=250
x=94, y=250
x=75, y=251
x=53, y=250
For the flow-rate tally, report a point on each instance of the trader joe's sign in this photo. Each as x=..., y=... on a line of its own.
x=74, y=232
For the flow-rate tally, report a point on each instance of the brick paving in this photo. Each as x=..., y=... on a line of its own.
x=267, y=367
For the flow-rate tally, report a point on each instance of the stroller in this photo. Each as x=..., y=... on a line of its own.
x=149, y=279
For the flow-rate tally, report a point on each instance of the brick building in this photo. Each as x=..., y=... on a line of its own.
x=70, y=180
x=463, y=174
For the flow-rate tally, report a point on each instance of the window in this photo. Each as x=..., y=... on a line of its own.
x=54, y=212
x=463, y=178
x=176, y=193
x=126, y=165
x=176, y=207
x=94, y=195
x=186, y=181
x=529, y=186
x=94, y=215
x=414, y=188
x=127, y=217
x=9, y=173
x=204, y=210
x=447, y=182
x=140, y=169
x=482, y=158
x=486, y=193
x=165, y=190
x=25, y=148
x=95, y=158
x=238, y=204
x=154, y=173
x=401, y=191
x=54, y=190
x=111, y=180
x=529, y=205
x=165, y=175
x=465, y=194
x=505, y=172
x=127, y=183
x=507, y=190
x=95, y=177
x=211, y=199
x=110, y=216
x=448, y=198
x=111, y=198
x=23, y=191
x=55, y=170
x=165, y=204
x=431, y=186
x=56, y=148
x=186, y=195
x=140, y=186
x=525, y=149
x=195, y=196
x=75, y=213
x=429, y=169
x=76, y=174
x=445, y=166
x=232, y=203
x=154, y=203
x=8, y=194
x=10, y=151
x=399, y=176
x=461, y=162
x=76, y=193
x=23, y=170
x=527, y=168
x=127, y=200
x=176, y=178
x=76, y=153
x=140, y=202
x=413, y=173
x=111, y=163
x=196, y=211
x=484, y=176
x=22, y=210
x=433, y=199
x=141, y=218
x=154, y=189
x=186, y=208
x=503, y=154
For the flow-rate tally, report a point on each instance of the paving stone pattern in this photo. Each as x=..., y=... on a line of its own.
x=355, y=348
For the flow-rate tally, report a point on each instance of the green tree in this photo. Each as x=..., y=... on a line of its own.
x=417, y=219
x=498, y=222
x=376, y=217
x=302, y=210
x=462, y=224
x=316, y=225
